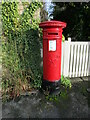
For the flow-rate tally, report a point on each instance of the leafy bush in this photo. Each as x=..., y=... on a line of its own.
x=66, y=82
x=21, y=48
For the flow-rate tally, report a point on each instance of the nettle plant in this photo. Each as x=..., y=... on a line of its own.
x=21, y=48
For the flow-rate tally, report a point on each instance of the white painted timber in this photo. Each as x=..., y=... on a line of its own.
x=66, y=56
x=76, y=59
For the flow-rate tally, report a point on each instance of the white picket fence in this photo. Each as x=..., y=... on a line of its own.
x=75, y=59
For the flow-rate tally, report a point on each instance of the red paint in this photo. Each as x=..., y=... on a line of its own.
x=52, y=30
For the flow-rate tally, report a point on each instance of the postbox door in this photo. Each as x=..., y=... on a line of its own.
x=52, y=59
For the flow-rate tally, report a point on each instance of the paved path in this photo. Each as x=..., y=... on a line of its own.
x=75, y=105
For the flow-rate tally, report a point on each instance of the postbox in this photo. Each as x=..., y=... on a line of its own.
x=52, y=41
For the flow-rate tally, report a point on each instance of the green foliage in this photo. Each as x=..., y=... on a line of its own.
x=9, y=17
x=83, y=90
x=77, y=17
x=21, y=48
x=63, y=38
x=66, y=82
x=63, y=95
x=56, y=98
x=53, y=98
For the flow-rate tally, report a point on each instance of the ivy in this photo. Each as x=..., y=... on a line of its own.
x=21, y=49
x=9, y=17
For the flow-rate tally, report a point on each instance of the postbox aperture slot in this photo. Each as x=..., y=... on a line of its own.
x=52, y=33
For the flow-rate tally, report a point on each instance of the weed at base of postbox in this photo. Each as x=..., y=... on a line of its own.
x=49, y=91
x=46, y=92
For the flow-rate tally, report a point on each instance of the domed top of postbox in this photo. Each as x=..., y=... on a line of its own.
x=52, y=23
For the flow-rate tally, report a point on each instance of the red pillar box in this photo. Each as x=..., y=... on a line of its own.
x=52, y=38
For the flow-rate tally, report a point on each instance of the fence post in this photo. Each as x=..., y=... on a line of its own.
x=88, y=59
x=62, y=60
x=66, y=57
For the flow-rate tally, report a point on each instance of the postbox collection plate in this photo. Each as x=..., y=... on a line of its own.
x=52, y=45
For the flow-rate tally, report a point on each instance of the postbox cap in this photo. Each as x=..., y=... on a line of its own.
x=52, y=23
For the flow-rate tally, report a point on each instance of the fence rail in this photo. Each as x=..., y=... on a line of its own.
x=75, y=59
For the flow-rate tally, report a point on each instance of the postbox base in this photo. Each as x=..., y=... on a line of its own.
x=52, y=87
